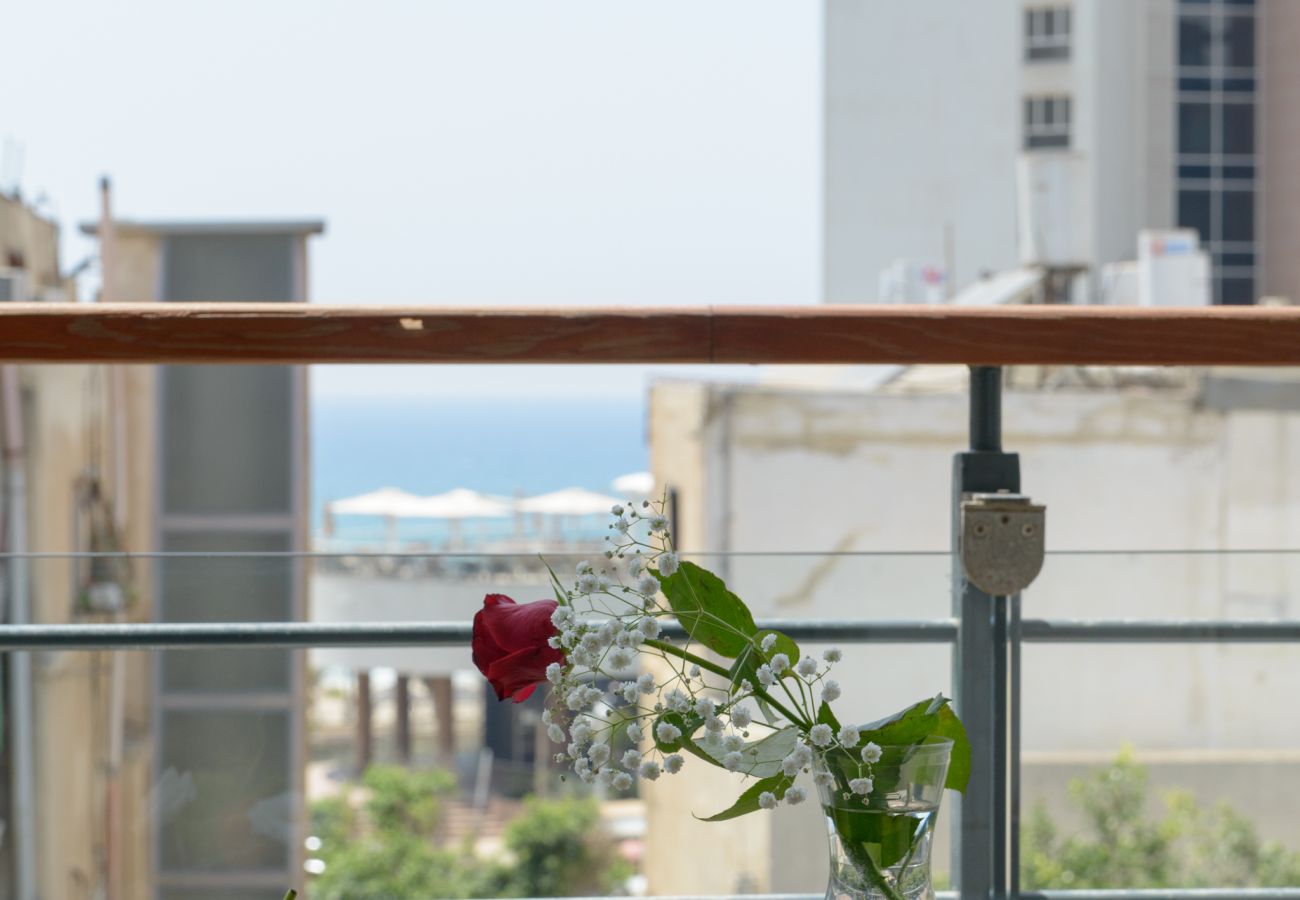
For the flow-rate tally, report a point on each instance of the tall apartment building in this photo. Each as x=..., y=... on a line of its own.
x=1149, y=114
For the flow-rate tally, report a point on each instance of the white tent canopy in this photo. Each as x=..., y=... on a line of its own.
x=387, y=501
x=462, y=503
x=634, y=484
x=573, y=501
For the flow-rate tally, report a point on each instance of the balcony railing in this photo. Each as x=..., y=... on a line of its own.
x=986, y=632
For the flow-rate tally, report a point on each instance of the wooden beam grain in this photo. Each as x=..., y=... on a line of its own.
x=298, y=333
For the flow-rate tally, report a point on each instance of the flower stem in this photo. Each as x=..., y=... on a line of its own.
x=665, y=647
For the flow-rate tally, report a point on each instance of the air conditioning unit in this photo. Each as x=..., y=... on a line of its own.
x=13, y=286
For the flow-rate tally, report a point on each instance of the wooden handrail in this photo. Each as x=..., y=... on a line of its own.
x=300, y=333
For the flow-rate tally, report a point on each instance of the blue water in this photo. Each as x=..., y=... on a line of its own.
x=494, y=446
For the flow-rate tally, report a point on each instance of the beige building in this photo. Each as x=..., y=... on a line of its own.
x=837, y=502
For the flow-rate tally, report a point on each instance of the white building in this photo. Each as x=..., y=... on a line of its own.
x=1127, y=116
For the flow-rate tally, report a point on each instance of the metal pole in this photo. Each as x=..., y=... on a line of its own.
x=979, y=661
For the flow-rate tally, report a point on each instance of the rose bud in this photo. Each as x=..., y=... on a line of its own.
x=510, y=644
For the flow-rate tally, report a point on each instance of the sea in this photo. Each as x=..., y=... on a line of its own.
x=500, y=446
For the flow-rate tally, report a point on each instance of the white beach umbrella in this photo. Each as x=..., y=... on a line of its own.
x=387, y=501
x=573, y=501
x=462, y=503
x=634, y=484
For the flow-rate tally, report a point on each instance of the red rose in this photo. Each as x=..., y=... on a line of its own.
x=510, y=644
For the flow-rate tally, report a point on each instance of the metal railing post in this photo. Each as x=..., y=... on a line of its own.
x=979, y=658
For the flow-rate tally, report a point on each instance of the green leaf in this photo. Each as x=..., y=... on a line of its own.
x=710, y=613
x=560, y=596
x=748, y=801
x=762, y=757
x=887, y=837
x=687, y=725
x=907, y=726
x=959, y=766
x=826, y=717
x=751, y=657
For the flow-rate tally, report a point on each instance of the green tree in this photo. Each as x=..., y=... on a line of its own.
x=1121, y=846
x=388, y=847
x=558, y=850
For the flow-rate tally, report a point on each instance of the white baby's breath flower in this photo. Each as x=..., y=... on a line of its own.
x=767, y=800
x=630, y=692
x=621, y=525
x=649, y=628
x=556, y=734
x=768, y=642
x=704, y=707
x=733, y=761
x=765, y=676
x=673, y=763
x=616, y=510
x=871, y=753
x=832, y=655
x=649, y=770
x=581, y=732
x=588, y=583
x=561, y=617
x=693, y=671
x=584, y=567
x=830, y=691
x=576, y=699
x=620, y=781
x=658, y=523
x=821, y=734
x=741, y=716
x=598, y=754
x=620, y=658
x=795, y=795
x=667, y=732
x=635, y=565
x=554, y=672
x=861, y=786
x=605, y=775
x=849, y=736
x=791, y=765
x=713, y=723
x=554, y=642
x=547, y=717
x=677, y=701
x=823, y=779
x=634, y=733
x=667, y=563
x=631, y=759
x=733, y=742
x=807, y=667
x=646, y=683
x=780, y=663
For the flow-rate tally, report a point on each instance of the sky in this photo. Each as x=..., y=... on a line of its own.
x=481, y=152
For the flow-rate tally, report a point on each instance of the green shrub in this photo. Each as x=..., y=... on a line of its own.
x=559, y=850
x=1120, y=846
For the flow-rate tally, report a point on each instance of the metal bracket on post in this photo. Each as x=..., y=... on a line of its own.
x=1001, y=541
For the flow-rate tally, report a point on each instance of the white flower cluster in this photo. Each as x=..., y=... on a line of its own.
x=610, y=616
x=612, y=611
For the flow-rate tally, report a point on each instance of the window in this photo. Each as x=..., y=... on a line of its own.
x=1238, y=216
x=1194, y=211
x=1238, y=128
x=1047, y=122
x=1047, y=34
x=1194, y=37
x=1193, y=127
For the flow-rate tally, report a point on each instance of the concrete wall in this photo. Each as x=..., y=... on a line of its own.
x=922, y=128
x=72, y=689
x=774, y=471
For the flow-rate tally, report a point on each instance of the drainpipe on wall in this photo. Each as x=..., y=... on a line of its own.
x=23, y=816
x=117, y=684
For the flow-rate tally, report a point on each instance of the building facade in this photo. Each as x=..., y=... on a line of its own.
x=941, y=122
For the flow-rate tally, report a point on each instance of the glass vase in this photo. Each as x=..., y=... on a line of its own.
x=880, y=843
